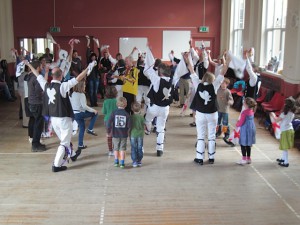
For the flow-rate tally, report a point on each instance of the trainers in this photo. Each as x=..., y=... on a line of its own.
x=122, y=166
x=248, y=161
x=199, y=161
x=283, y=164
x=211, y=161
x=134, y=164
x=58, y=169
x=139, y=164
x=110, y=153
x=116, y=164
x=82, y=147
x=92, y=132
x=74, y=158
x=241, y=162
x=159, y=153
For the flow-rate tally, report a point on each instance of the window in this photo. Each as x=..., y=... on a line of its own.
x=238, y=26
x=36, y=46
x=275, y=17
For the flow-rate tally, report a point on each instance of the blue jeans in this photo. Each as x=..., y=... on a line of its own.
x=136, y=149
x=93, y=88
x=80, y=119
x=223, y=119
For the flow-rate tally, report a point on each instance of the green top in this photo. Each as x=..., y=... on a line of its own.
x=137, y=126
x=109, y=105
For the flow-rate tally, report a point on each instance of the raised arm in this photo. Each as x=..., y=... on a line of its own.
x=210, y=60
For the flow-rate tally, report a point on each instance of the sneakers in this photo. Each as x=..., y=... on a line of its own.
x=38, y=148
x=198, y=161
x=116, y=164
x=82, y=147
x=283, y=164
x=58, y=169
x=248, y=160
x=74, y=158
x=241, y=162
x=122, y=166
x=92, y=132
x=134, y=164
x=139, y=164
x=110, y=153
x=159, y=153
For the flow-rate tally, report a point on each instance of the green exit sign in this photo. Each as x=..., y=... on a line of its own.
x=54, y=29
x=203, y=29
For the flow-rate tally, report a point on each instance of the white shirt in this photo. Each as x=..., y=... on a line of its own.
x=286, y=122
x=252, y=75
x=64, y=87
x=216, y=83
x=78, y=101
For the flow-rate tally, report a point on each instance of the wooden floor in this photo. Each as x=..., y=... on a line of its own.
x=168, y=190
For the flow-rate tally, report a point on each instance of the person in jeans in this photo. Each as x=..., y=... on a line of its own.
x=82, y=112
x=137, y=135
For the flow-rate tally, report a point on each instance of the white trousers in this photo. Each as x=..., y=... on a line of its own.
x=206, y=121
x=142, y=93
x=119, y=89
x=162, y=114
x=63, y=128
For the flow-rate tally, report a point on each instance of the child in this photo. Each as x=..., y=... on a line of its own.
x=82, y=112
x=247, y=130
x=137, y=135
x=287, y=131
x=109, y=105
x=224, y=99
x=119, y=125
x=204, y=103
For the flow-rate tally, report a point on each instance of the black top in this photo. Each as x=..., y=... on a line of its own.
x=205, y=99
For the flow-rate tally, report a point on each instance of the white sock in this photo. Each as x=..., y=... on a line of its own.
x=285, y=153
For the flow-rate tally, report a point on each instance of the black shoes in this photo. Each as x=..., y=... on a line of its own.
x=58, y=169
x=211, y=161
x=199, y=161
x=159, y=153
x=38, y=148
x=283, y=164
x=228, y=142
x=92, y=132
x=74, y=158
x=193, y=124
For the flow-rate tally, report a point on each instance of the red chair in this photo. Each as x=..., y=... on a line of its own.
x=262, y=95
x=276, y=103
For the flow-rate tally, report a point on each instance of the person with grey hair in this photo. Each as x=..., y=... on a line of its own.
x=57, y=105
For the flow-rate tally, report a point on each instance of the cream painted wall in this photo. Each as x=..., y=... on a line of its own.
x=6, y=30
x=291, y=66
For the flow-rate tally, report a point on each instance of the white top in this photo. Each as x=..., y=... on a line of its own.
x=286, y=122
x=78, y=101
x=64, y=87
x=252, y=74
x=216, y=83
x=218, y=69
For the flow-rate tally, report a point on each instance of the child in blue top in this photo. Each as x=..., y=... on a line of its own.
x=247, y=130
x=137, y=135
x=286, y=128
x=119, y=124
